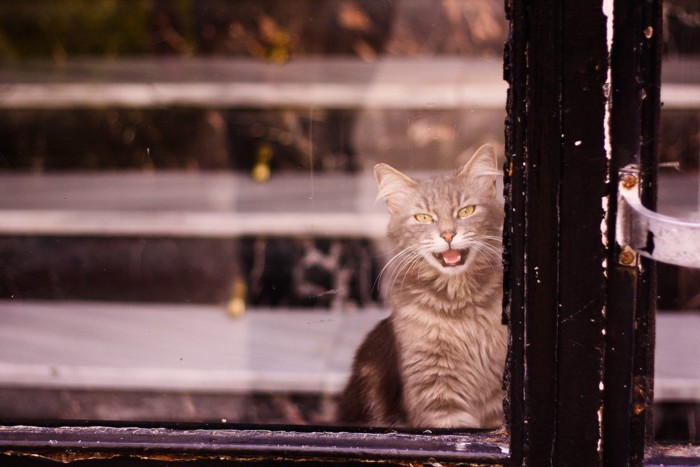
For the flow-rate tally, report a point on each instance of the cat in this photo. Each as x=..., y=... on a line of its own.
x=437, y=361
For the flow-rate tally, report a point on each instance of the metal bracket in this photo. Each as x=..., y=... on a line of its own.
x=650, y=234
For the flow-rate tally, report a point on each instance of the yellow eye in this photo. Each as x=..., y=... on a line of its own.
x=466, y=211
x=424, y=218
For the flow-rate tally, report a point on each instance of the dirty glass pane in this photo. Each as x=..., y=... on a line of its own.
x=677, y=372
x=188, y=221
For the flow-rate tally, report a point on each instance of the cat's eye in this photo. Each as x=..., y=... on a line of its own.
x=466, y=211
x=424, y=218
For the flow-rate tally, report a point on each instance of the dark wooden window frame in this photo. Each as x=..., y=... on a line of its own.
x=580, y=369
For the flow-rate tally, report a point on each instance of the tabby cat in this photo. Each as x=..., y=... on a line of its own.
x=437, y=360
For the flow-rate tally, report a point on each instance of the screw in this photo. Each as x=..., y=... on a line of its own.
x=627, y=256
x=628, y=181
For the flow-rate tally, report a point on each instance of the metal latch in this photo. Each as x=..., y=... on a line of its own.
x=650, y=234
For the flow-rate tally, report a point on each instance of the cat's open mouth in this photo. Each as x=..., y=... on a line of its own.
x=452, y=258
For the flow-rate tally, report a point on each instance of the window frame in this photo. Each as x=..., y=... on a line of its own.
x=579, y=377
x=555, y=290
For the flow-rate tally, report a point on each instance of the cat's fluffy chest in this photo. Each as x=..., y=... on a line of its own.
x=450, y=365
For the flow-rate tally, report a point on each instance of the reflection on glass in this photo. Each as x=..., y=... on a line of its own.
x=189, y=227
x=677, y=368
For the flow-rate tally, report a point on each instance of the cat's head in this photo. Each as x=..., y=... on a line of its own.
x=449, y=222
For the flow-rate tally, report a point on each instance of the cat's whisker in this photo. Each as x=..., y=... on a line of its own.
x=409, y=268
x=488, y=251
x=397, y=260
x=487, y=247
x=392, y=260
x=480, y=237
x=397, y=257
x=414, y=253
x=494, y=238
x=386, y=267
x=418, y=252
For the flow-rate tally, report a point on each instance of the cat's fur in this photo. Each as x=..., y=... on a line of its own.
x=437, y=360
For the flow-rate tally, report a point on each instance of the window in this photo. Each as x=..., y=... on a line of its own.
x=675, y=398
x=222, y=160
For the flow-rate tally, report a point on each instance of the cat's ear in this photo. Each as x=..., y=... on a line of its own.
x=482, y=170
x=394, y=187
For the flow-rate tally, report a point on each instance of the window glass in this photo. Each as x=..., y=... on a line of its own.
x=677, y=371
x=189, y=225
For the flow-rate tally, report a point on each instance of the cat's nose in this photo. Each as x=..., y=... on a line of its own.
x=448, y=236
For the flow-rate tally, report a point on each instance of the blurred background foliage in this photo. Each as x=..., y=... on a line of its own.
x=272, y=29
x=59, y=28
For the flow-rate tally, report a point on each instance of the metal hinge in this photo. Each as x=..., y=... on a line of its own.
x=650, y=234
